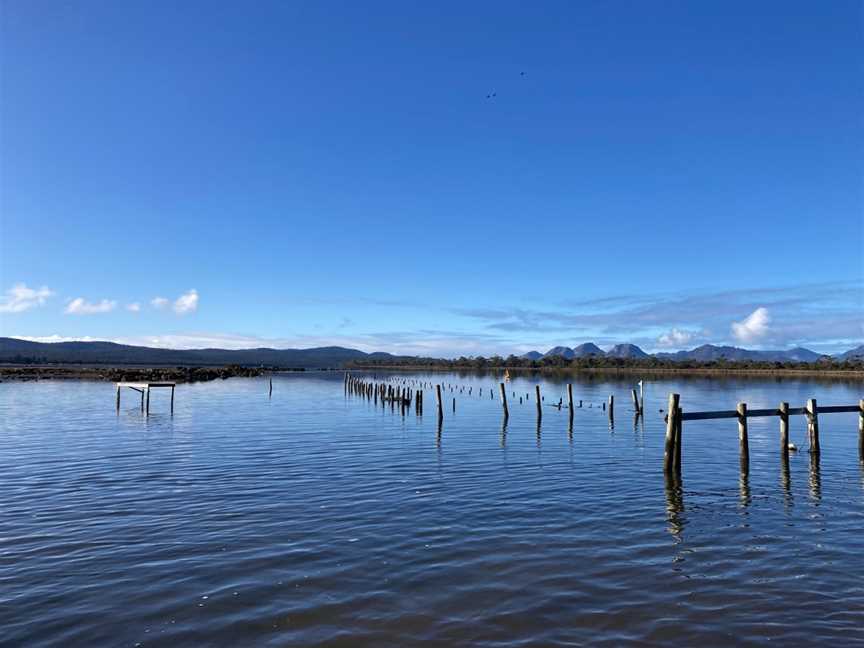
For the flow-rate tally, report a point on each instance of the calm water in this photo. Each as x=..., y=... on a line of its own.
x=315, y=519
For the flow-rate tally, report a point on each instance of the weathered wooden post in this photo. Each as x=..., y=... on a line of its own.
x=172, y=398
x=679, y=417
x=539, y=407
x=611, y=406
x=440, y=404
x=635, y=401
x=570, y=398
x=270, y=394
x=784, y=429
x=742, y=437
x=142, y=400
x=148, y=401
x=861, y=429
x=669, y=447
x=454, y=405
x=504, y=401
x=813, y=425
x=118, y=398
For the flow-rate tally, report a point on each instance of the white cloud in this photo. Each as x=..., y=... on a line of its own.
x=158, y=303
x=79, y=306
x=134, y=307
x=753, y=327
x=186, y=303
x=20, y=298
x=675, y=338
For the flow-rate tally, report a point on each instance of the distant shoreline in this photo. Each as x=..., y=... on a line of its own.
x=188, y=374
x=636, y=370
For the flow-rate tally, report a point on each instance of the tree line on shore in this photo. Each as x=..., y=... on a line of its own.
x=587, y=363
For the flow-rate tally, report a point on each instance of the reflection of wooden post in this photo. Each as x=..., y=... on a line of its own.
x=440, y=404
x=504, y=401
x=142, y=400
x=271, y=388
x=669, y=448
x=539, y=410
x=742, y=437
x=148, y=401
x=813, y=416
x=784, y=430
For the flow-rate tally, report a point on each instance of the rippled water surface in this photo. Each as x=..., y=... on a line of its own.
x=312, y=518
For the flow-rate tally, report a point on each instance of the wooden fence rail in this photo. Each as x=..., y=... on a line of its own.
x=675, y=416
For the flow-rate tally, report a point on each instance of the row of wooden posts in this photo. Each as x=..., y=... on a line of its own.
x=676, y=415
x=404, y=395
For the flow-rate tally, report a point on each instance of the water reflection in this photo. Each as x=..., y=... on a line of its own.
x=675, y=506
x=504, y=432
x=744, y=494
x=815, y=480
x=786, y=481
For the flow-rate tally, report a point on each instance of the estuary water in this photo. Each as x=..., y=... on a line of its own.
x=313, y=518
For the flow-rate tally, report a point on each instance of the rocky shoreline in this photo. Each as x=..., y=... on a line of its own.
x=130, y=374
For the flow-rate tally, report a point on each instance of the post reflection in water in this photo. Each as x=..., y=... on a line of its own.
x=786, y=480
x=744, y=489
x=538, y=431
x=815, y=478
x=675, y=506
x=504, y=432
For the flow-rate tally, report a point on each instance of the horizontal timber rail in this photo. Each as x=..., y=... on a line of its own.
x=676, y=416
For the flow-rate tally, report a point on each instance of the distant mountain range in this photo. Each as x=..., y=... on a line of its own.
x=13, y=350
x=704, y=353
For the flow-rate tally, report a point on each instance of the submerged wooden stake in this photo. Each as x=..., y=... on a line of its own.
x=504, y=401
x=784, y=430
x=669, y=447
x=742, y=437
x=539, y=408
x=440, y=404
x=813, y=425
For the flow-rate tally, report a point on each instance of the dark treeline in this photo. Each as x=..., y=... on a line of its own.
x=604, y=363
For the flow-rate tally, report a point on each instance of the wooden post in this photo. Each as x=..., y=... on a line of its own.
x=440, y=404
x=172, y=399
x=635, y=401
x=118, y=398
x=861, y=429
x=539, y=408
x=669, y=448
x=813, y=417
x=742, y=437
x=784, y=430
x=148, y=401
x=504, y=401
x=454, y=405
x=142, y=400
x=271, y=387
x=570, y=398
x=678, y=425
x=611, y=406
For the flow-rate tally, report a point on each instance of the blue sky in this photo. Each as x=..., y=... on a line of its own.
x=295, y=174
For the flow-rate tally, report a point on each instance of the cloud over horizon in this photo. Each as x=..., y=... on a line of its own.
x=20, y=298
x=80, y=306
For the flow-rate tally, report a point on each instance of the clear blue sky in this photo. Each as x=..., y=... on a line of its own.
x=667, y=173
